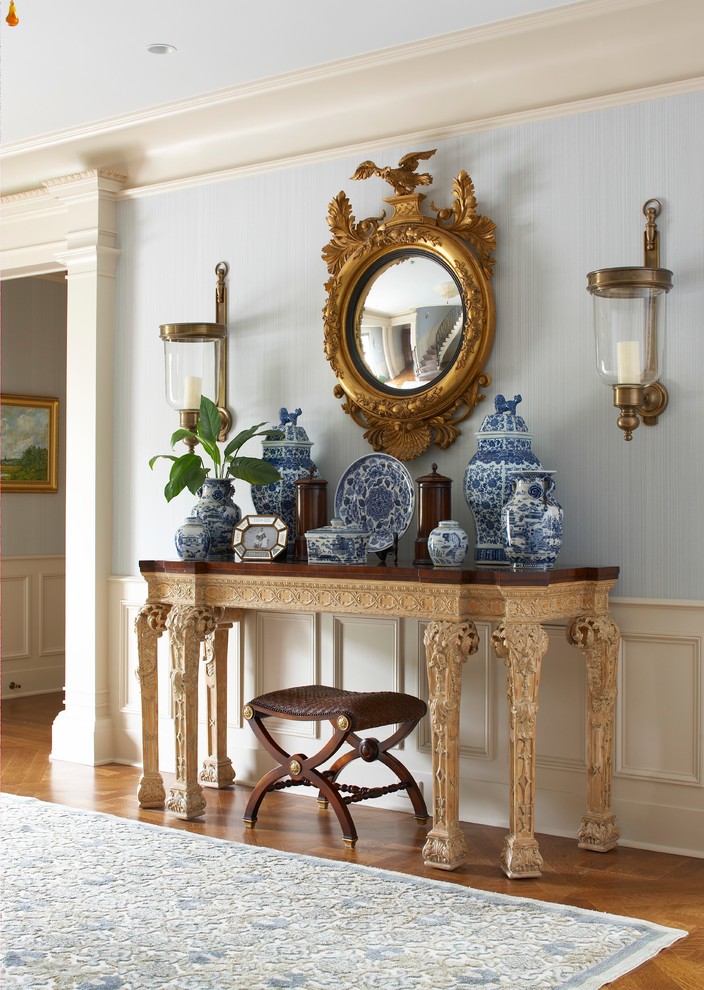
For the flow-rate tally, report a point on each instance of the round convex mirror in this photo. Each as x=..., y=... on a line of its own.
x=409, y=317
x=407, y=322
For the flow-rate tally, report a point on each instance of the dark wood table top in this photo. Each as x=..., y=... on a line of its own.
x=384, y=571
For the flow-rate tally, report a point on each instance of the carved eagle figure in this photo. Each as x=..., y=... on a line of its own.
x=403, y=178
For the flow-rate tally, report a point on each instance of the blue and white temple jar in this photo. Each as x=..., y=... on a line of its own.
x=290, y=455
x=532, y=521
x=503, y=445
x=447, y=544
x=219, y=513
x=192, y=539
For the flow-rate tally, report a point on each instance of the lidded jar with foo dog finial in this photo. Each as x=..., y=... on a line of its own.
x=290, y=455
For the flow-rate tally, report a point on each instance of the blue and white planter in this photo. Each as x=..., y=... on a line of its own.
x=216, y=509
x=447, y=544
x=503, y=445
x=290, y=455
x=192, y=539
x=532, y=521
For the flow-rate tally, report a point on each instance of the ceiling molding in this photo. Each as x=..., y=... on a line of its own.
x=585, y=55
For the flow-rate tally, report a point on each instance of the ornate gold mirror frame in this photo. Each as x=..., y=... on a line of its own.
x=404, y=420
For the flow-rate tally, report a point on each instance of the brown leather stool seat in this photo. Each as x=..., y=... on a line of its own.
x=349, y=713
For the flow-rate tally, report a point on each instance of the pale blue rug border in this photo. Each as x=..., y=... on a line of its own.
x=653, y=937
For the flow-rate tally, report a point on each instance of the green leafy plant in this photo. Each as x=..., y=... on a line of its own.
x=189, y=471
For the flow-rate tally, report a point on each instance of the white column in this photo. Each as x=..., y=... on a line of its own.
x=83, y=732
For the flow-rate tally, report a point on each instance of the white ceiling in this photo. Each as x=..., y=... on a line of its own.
x=70, y=64
x=272, y=84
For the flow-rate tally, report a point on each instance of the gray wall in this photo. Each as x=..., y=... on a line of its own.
x=566, y=195
x=34, y=363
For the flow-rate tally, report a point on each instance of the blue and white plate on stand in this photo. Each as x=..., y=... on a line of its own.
x=376, y=494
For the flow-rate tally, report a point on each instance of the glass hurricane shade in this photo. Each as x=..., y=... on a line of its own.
x=192, y=362
x=629, y=323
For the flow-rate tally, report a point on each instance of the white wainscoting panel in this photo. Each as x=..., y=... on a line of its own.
x=286, y=653
x=16, y=610
x=367, y=652
x=658, y=788
x=33, y=651
x=562, y=714
x=52, y=613
x=660, y=674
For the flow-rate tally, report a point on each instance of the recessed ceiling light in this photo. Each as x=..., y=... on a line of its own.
x=161, y=49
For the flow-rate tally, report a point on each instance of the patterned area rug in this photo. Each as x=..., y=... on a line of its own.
x=93, y=902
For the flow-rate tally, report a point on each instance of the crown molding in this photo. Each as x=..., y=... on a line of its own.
x=593, y=53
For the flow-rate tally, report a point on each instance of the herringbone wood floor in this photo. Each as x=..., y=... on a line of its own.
x=661, y=888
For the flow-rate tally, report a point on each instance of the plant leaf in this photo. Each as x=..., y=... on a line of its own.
x=242, y=437
x=253, y=470
x=186, y=472
x=157, y=457
x=209, y=424
x=213, y=452
x=180, y=434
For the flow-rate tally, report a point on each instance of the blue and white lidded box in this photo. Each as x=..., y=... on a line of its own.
x=337, y=543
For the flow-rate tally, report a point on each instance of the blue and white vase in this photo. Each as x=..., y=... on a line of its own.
x=532, y=521
x=290, y=455
x=220, y=514
x=447, y=544
x=503, y=445
x=192, y=539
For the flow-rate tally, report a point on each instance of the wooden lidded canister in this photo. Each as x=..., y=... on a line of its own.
x=434, y=504
x=311, y=511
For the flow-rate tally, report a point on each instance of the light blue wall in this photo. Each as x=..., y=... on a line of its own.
x=566, y=195
x=34, y=363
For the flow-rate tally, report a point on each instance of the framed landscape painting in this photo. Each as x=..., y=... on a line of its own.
x=30, y=443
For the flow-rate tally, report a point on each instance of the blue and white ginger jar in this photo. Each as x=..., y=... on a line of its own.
x=290, y=455
x=447, y=544
x=503, y=445
x=192, y=539
x=532, y=521
x=219, y=513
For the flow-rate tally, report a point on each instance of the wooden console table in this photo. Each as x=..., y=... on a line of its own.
x=197, y=602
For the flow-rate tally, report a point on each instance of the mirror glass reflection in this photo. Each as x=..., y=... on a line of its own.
x=409, y=323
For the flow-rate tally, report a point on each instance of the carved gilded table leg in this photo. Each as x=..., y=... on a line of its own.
x=522, y=647
x=598, y=638
x=188, y=627
x=217, y=769
x=149, y=625
x=447, y=647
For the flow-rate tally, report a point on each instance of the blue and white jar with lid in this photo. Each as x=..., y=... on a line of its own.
x=447, y=544
x=503, y=445
x=290, y=455
x=192, y=539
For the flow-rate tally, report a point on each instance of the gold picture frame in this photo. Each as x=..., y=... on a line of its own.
x=30, y=443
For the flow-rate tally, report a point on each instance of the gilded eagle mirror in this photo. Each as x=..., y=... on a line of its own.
x=410, y=316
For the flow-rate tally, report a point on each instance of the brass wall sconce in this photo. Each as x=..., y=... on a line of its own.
x=629, y=328
x=195, y=356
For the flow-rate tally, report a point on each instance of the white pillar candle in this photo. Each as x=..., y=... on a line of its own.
x=191, y=392
x=628, y=364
